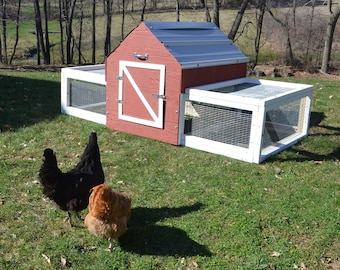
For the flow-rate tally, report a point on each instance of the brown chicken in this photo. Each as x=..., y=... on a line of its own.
x=109, y=212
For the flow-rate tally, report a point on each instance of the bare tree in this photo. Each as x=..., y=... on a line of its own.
x=80, y=31
x=333, y=18
x=93, y=31
x=4, y=58
x=123, y=20
x=177, y=11
x=262, y=8
x=61, y=27
x=43, y=43
x=69, y=7
x=238, y=19
x=143, y=10
x=309, y=33
x=47, y=55
x=107, y=46
x=207, y=13
x=290, y=60
x=16, y=32
x=217, y=13
x=154, y=4
x=39, y=31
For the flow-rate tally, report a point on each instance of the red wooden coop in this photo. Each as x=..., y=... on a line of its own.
x=147, y=73
x=185, y=83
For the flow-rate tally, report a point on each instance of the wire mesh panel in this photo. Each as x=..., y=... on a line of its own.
x=217, y=123
x=87, y=96
x=246, y=119
x=282, y=122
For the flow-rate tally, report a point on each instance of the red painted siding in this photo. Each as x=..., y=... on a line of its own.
x=206, y=75
x=142, y=41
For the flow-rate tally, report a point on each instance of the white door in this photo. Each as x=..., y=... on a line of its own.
x=141, y=93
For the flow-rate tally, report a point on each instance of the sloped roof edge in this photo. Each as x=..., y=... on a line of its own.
x=196, y=44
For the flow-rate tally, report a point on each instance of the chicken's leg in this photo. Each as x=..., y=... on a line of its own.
x=79, y=216
x=68, y=218
x=111, y=247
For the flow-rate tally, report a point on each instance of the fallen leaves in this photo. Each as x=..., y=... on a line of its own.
x=331, y=263
x=47, y=258
x=276, y=254
x=278, y=172
x=63, y=261
x=188, y=264
x=301, y=267
x=317, y=162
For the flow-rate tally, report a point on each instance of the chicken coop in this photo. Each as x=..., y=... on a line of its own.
x=185, y=83
x=152, y=67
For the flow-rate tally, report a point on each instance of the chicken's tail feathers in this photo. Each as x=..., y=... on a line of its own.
x=49, y=171
x=93, y=138
x=90, y=160
x=50, y=157
x=48, y=152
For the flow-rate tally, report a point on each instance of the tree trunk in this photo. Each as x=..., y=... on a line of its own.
x=93, y=31
x=290, y=59
x=4, y=32
x=123, y=20
x=80, y=31
x=177, y=11
x=207, y=13
x=16, y=32
x=333, y=18
x=217, y=13
x=107, y=46
x=238, y=20
x=39, y=31
x=154, y=4
x=47, y=55
x=69, y=11
x=262, y=7
x=143, y=11
x=307, y=61
x=0, y=49
x=61, y=12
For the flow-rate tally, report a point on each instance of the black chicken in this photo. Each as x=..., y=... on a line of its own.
x=71, y=190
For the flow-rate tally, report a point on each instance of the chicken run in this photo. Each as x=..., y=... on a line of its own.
x=185, y=83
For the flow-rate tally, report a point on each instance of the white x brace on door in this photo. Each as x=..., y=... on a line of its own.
x=141, y=93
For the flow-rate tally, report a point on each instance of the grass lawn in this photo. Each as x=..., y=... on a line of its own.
x=191, y=209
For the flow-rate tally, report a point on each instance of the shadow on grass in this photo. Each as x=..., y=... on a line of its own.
x=147, y=238
x=325, y=131
x=26, y=101
x=316, y=120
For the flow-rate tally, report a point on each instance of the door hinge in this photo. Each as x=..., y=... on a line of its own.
x=158, y=96
x=119, y=101
x=119, y=77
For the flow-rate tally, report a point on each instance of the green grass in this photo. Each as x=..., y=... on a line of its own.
x=190, y=208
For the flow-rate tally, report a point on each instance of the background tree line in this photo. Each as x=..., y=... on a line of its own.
x=294, y=27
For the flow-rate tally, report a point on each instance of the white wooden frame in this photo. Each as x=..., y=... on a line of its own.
x=258, y=106
x=93, y=74
x=158, y=121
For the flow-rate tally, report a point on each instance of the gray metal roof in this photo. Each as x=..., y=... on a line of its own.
x=197, y=44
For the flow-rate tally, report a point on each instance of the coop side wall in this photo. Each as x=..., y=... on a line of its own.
x=207, y=75
x=142, y=41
